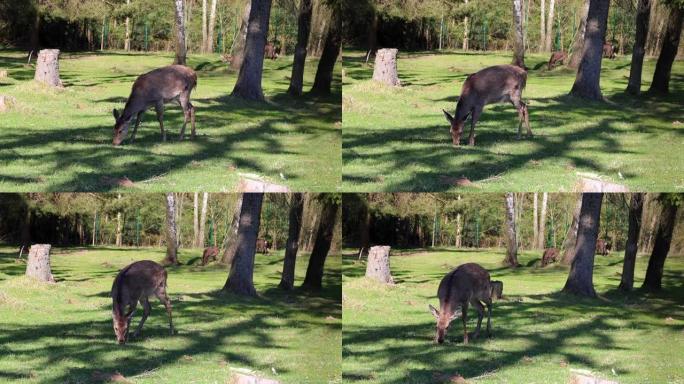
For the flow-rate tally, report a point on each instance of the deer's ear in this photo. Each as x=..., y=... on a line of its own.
x=434, y=311
x=115, y=113
x=457, y=313
x=449, y=118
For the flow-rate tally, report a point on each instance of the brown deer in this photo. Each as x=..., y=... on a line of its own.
x=209, y=254
x=155, y=88
x=609, y=50
x=500, y=83
x=263, y=246
x=603, y=247
x=468, y=283
x=550, y=256
x=270, y=51
x=136, y=283
x=557, y=58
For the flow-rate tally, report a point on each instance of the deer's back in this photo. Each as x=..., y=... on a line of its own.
x=164, y=83
x=463, y=283
x=142, y=278
x=494, y=84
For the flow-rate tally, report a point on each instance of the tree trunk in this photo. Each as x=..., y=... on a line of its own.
x=38, y=263
x=589, y=73
x=204, y=26
x=542, y=26
x=47, y=67
x=642, y=17
x=580, y=278
x=385, y=69
x=119, y=240
x=171, y=231
x=210, y=29
x=549, y=27
x=324, y=235
x=535, y=222
x=303, y=31
x=635, y=210
x=248, y=85
x=578, y=43
x=180, y=34
x=661, y=247
x=231, y=241
x=518, y=43
x=571, y=236
x=195, y=220
x=127, y=40
x=542, y=222
x=465, y=31
x=238, y=51
x=378, y=267
x=240, y=280
x=203, y=219
x=512, y=243
x=292, y=245
x=364, y=230
x=373, y=35
x=331, y=49
x=668, y=52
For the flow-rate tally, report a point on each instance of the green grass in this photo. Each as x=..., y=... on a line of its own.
x=539, y=334
x=60, y=140
x=397, y=139
x=62, y=333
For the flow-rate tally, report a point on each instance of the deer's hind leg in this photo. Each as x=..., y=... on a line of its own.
x=522, y=115
x=164, y=298
x=464, y=318
x=188, y=113
x=480, y=314
x=146, y=312
x=489, y=316
x=159, y=108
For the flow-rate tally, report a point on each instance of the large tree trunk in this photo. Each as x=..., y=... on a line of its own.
x=210, y=28
x=240, y=280
x=464, y=46
x=580, y=279
x=642, y=17
x=542, y=222
x=378, y=266
x=661, y=246
x=589, y=73
x=203, y=219
x=171, y=231
x=364, y=229
x=38, y=263
x=635, y=210
x=195, y=220
x=180, y=34
x=119, y=240
x=204, y=26
x=668, y=52
x=568, y=247
x=535, y=222
x=303, y=31
x=238, y=51
x=248, y=85
x=47, y=67
x=292, y=245
x=578, y=43
x=385, y=69
x=127, y=40
x=549, y=27
x=331, y=49
x=230, y=243
x=512, y=242
x=542, y=26
x=518, y=43
x=314, y=271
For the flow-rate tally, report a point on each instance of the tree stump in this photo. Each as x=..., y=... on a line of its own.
x=385, y=70
x=38, y=265
x=47, y=67
x=378, y=266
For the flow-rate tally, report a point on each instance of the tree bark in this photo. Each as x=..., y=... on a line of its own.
x=378, y=266
x=326, y=65
x=512, y=243
x=465, y=31
x=535, y=222
x=518, y=43
x=661, y=247
x=549, y=27
x=47, y=67
x=180, y=34
x=203, y=219
x=195, y=220
x=292, y=245
x=642, y=17
x=542, y=222
x=238, y=51
x=303, y=31
x=571, y=236
x=580, y=278
x=542, y=26
x=210, y=28
x=385, y=69
x=240, y=280
x=589, y=72
x=127, y=40
x=248, y=85
x=578, y=43
x=119, y=240
x=635, y=212
x=364, y=230
x=668, y=52
x=314, y=271
x=204, y=26
x=38, y=263
x=459, y=227
x=171, y=231
x=231, y=242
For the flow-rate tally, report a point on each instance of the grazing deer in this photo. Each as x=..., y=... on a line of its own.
x=136, y=283
x=270, y=51
x=468, y=283
x=609, y=50
x=500, y=83
x=209, y=254
x=603, y=247
x=557, y=58
x=550, y=256
x=155, y=88
x=263, y=246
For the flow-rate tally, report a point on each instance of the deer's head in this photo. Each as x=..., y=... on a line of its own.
x=121, y=323
x=443, y=321
x=456, y=127
x=120, y=127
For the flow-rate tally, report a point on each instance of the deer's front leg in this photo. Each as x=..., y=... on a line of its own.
x=146, y=312
x=135, y=128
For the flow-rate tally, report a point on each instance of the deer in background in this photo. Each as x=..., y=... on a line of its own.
x=468, y=283
x=154, y=89
x=500, y=83
x=136, y=283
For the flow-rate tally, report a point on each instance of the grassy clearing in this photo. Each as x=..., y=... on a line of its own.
x=62, y=333
x=60, y=140
x=398, y=139
x=539, y=334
